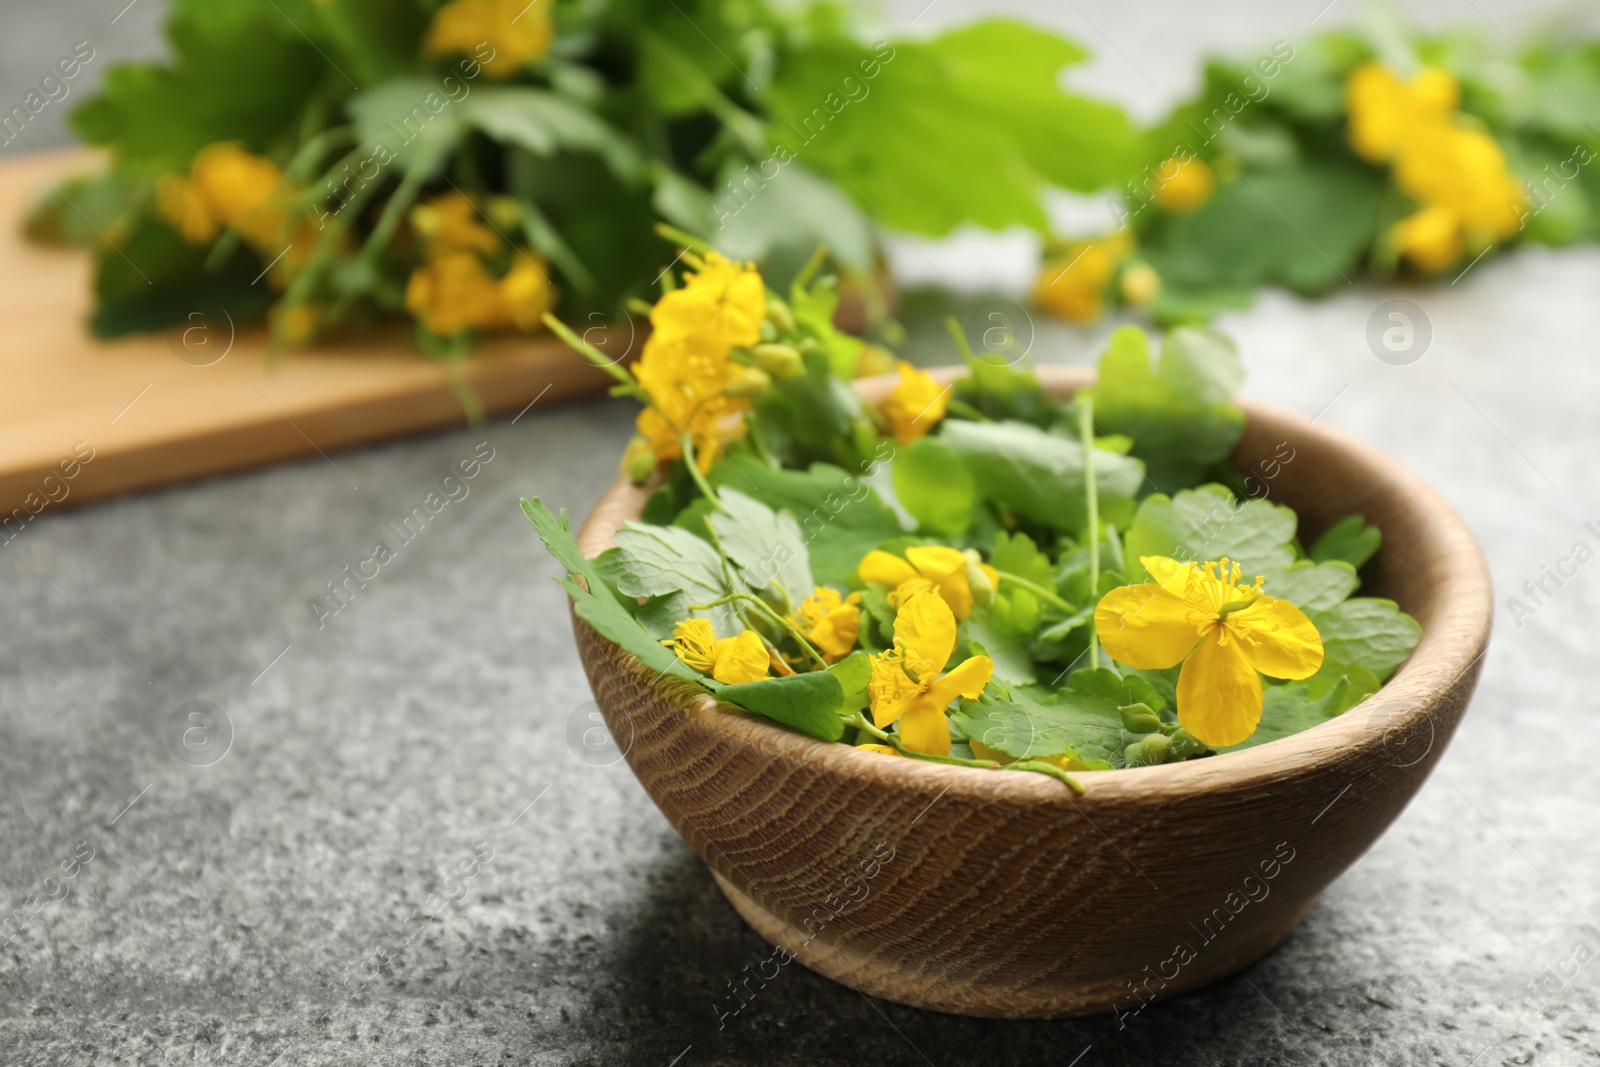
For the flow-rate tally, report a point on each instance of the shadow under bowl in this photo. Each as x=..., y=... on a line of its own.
x=990, y=894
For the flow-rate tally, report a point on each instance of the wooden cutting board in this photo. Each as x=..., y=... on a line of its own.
x=82, y=419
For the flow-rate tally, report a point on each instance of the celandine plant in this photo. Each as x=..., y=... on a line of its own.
x=973, y=573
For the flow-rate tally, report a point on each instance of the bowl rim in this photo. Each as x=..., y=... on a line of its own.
x=1450, y=650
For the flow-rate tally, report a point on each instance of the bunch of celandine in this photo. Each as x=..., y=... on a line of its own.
x=933, y=640
x=1341, y=156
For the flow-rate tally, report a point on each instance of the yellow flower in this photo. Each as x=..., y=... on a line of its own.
x=1185, y=184
x=886, y=750
x=1431, y=238
x=906, y=685
x=517, y=32
x=730, y=660
x=936, y=567
x=830, y=622
x=915, y=404
x=181, y=203
x=1385, y=112
x=1465, y=171
x=1073, y=284
x=526, y=292
x=1225, y=634
x=245, y=191
x=722, y=304
x=450, y=223
x=455, y=292
x=1140, y=284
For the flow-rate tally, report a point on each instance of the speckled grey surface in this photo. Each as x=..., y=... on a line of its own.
x=263, y=909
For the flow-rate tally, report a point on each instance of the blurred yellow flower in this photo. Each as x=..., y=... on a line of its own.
x=1431, y=238
x=451, y=222
x=906, y=685
x=181, y=203
x=829, y=621
x=516, y=32
x=1225, y=634
x=722, y=303
x=915, y=404
x=1385, y=111
x=1073, y=284
x=455, y=291
x=1185, y=183
x=936, y=567
x=730, y=660
x=1465, y=171
x=527, y=292
x=1140, y=284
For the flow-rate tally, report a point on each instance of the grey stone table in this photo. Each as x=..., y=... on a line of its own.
x=400, y=858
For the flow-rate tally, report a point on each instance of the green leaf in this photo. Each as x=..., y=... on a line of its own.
x=545, y=122
x=1029, y=721
x=158, y=279
x=808, y=703
x=1313, y=586
x=1039, y=475
x=1273, y=226
x=593, y=599
x=854, y=673
x=1004, y=633
x=841, y=519
x=1209, y=523
x=1289, y=709
x=792, y=212
x=1015, y=553
x=933, y=484
x=1350, y=539
x=1367, y=632
x=413, y=120
x=968, y=127
x=675, y=569
x=1178, y=414
x=765, y=545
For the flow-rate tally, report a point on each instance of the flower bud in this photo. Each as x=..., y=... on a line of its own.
x=779, y=315
x=978, y=580
x=745, y=381
x=778, y=360
x=1185, y=744
x=1140, y=719
x=1140, y=284
x=874, y=359
x=506, y=212
x=1151, y=750
x=639, y=460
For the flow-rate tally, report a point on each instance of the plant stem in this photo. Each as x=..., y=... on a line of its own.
x=1049, y=769
x=593, y=355
x=860, y=722
x=1092, y=491
x=966, y=410
x=694, y=472
x=1039, y=591
x=772, y=616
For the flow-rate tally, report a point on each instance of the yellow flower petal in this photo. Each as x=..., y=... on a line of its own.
x=741, y=659
x=885, y=750
x=925, y=729
x=1219, y=692
x=946, y=568
x=1277, y=638
x=884, y=568
x=915, y=404
x=694, y=642
x=1145, y=626
x=723, y=303
x=967, y=680
x=514, y=31
x=1185, y=184
x=890, y=690
x=925, y=634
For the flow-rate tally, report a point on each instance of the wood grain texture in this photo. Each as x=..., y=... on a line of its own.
x=150, y=418
x=1002, y=894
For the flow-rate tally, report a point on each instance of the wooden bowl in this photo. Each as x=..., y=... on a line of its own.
x=1003, y=894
